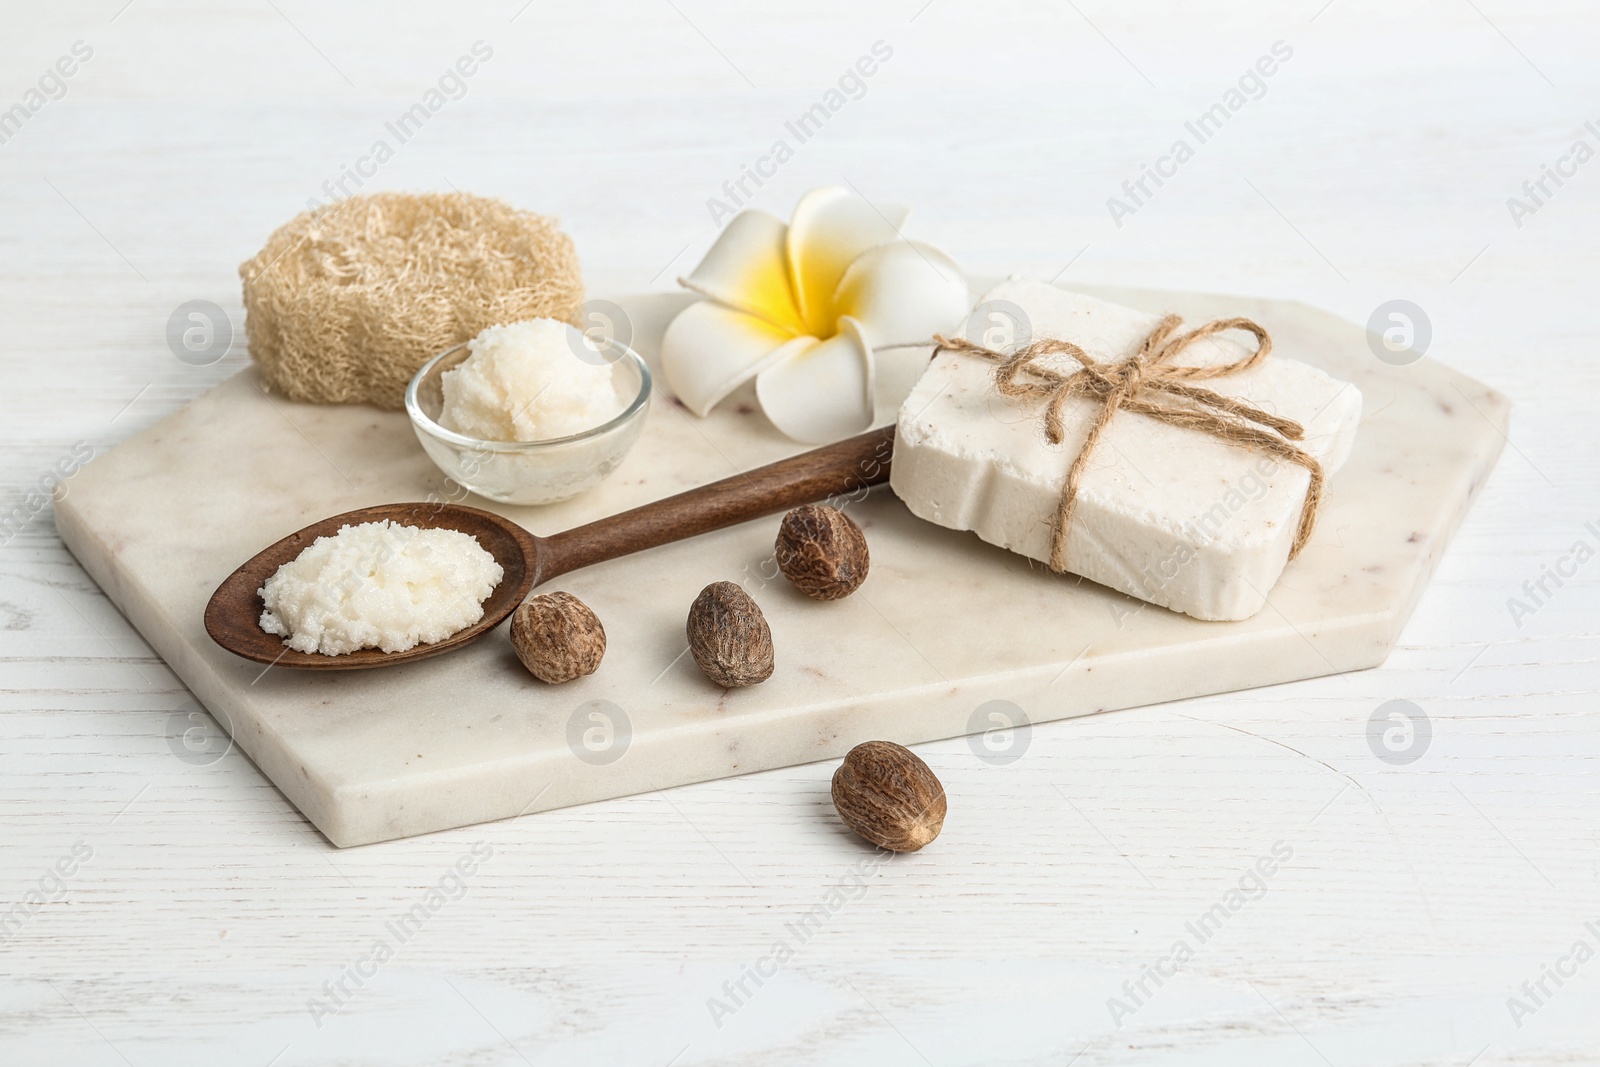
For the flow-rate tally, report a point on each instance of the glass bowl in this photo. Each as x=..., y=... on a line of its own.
x=530, y=472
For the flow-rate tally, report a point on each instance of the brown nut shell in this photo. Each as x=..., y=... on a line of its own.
x=728, y=636
x=557, y=637
x=885, y=793
x=822, y=551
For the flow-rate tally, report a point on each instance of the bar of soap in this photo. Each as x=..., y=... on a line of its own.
x=1170, y=515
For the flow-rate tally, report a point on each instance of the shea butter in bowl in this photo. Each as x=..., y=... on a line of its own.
x=531, y=412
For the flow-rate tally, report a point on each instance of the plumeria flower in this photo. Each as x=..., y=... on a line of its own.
x=810, y=310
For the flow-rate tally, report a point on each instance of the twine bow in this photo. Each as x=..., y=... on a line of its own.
x=1147, y=383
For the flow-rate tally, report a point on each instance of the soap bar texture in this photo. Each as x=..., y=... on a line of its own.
x=1170, y=515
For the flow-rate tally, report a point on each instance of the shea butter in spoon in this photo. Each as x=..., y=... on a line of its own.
x=379, y=585
x=531, y=381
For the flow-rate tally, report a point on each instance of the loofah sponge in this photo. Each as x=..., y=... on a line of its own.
x=346, y=302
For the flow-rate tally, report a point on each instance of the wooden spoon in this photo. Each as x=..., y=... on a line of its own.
x=233, y=616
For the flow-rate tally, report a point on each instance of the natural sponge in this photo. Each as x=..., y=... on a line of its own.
x=346, y=302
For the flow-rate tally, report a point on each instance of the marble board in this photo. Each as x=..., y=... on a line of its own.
x=944, y=627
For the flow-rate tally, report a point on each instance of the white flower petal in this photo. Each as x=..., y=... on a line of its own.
x=710, y=350
x=748, y=268
x=822, y=392
x=829, y=229
x=903, y=293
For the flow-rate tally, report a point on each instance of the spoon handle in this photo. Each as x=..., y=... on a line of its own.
x=848, y=466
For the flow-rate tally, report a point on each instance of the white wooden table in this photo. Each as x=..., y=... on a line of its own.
x=203, y=921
